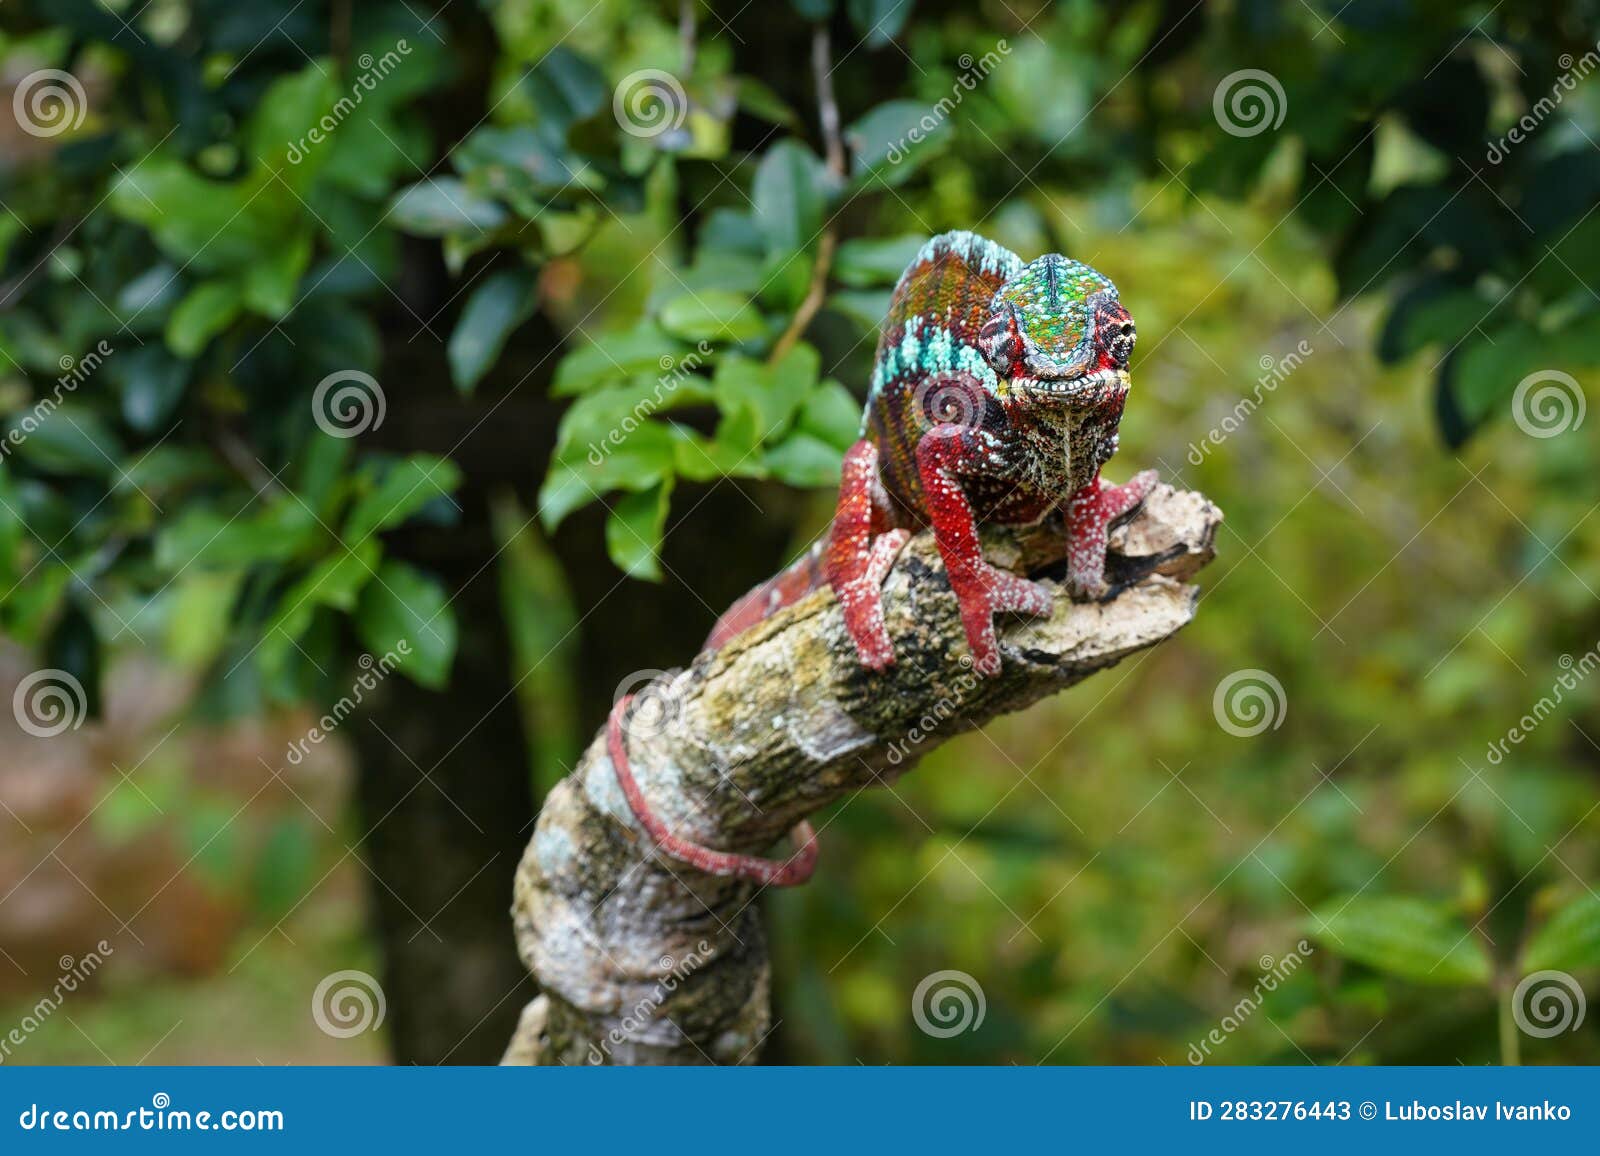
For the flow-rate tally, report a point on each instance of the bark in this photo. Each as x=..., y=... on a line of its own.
x=642, y=960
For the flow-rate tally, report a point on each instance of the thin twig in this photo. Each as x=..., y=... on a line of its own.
x=833, y=144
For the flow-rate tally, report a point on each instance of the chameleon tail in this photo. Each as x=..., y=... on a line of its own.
x=770, y=872
x=783, y=589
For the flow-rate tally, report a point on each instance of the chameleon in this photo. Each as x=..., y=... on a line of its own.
x=996, y=395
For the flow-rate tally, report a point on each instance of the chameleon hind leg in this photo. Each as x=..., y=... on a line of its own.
x=862, y=547
x=1090, y=514
x=943, y=456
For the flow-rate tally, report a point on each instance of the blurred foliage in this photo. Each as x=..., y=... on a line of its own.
x=231, y=214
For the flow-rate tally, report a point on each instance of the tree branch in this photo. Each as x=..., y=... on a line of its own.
x=644, y=960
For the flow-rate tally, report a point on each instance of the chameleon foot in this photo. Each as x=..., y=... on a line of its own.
x=984, y=591
x=770, y=872
x=1090, y=514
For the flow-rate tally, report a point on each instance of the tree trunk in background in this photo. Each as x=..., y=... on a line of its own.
x=446, y=805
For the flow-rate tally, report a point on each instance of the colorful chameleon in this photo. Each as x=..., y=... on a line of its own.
x=996, y=394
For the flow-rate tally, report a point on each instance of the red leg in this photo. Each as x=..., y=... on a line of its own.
x=771, y=872
x=856, y=562
x=981, y=589
x=1090, y=512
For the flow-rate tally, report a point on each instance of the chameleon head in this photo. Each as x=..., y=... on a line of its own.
x=1057, y=330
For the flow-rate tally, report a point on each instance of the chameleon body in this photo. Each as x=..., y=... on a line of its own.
x=996, y=395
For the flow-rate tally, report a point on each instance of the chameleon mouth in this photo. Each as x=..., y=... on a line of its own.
x=1071, y=388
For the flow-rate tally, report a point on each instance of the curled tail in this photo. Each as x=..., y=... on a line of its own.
x=805, y=575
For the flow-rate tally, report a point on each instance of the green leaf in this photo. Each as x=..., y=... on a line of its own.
x=521, y=162
x=565, y=87
x=615, y=356
x=335, y=581
x=202, y=608
x=712, y=315
x=284, y=114
x=833, y=415
x=205, y=311
x=541, y=624
x=636, y=462
x=201, y=537
x=151, y=382
x=879, y=21
x=868, y=264
x=893, y=140
x=270, y=284
x=213, y=226
x=440, y=206
x=406, y=487
x=802, y=460
x=788, y=196
x=1406, y=937
x=72, y=440
x=501, y=303
x=633, y=531
x=406, y=612
x=1570, y=941
x=768, y=396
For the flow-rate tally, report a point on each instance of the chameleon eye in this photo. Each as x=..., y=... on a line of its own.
x=1000, y=343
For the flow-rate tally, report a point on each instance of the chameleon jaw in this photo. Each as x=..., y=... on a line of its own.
x=1084, y=388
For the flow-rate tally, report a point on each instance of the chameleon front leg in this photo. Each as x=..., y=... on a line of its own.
x=1090, y=514
x=943, y=456
x=861, y=549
